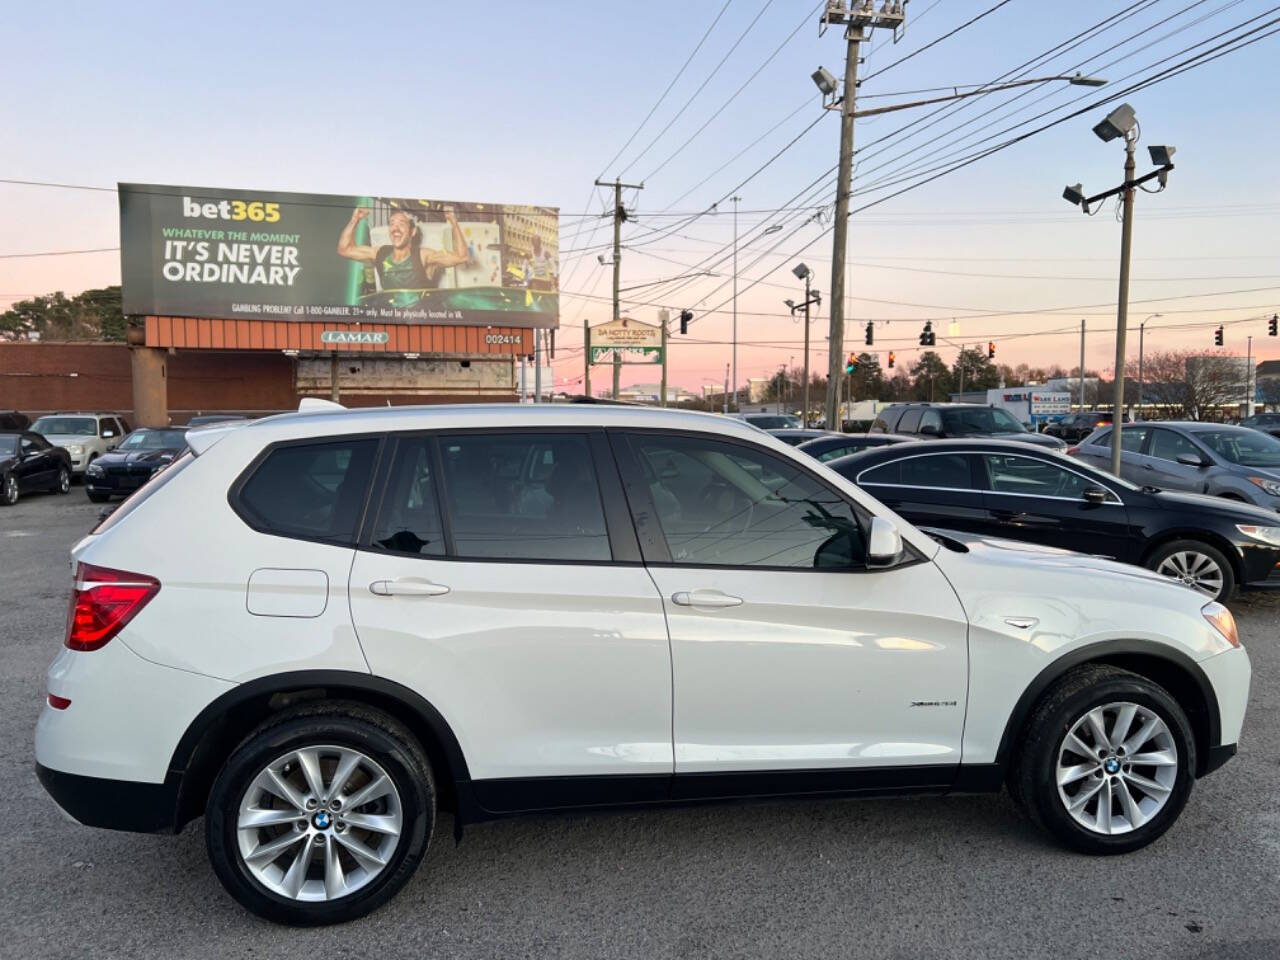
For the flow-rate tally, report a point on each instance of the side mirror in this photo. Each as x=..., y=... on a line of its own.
x=1095, y=495
x=930, y=430
x=1192, y=460
x=884, y=546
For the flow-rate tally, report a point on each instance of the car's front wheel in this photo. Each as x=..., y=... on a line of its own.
x=63, y=482
x=1197, y=565
x=1107, y=761
x=9, y=490
x=321, y=815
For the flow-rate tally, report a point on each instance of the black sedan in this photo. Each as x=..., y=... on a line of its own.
x=1006, y=489
x=30, y=462
x=833, y=446
x=142, y=454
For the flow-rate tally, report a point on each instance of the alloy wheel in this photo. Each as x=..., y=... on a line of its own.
x=1193, y=569
x=11, y=489
x=1117, y=768
x=319, y=823
x=64, y=481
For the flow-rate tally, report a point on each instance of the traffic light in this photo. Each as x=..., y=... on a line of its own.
x=685, y=317
x=871, y=333
x=891, y=358
x=991, y=350
x=927, y=337
x=851, y=364
x=1273, y=325
x=1217, y=337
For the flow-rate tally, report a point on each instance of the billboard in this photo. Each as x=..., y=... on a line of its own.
x=627, y=337
x=247, y=254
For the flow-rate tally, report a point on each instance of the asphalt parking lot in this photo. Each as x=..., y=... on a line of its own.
x=956, y=877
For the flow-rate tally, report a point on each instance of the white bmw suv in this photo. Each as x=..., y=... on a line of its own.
x=494, y=610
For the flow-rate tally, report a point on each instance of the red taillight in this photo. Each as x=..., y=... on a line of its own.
x=102, y=602
x=1071, y=450
x=1103, y=423
x=57, y=702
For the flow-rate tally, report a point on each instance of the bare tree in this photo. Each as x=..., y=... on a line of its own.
x=1189, y=385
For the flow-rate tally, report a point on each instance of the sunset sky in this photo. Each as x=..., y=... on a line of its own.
x=531, y=102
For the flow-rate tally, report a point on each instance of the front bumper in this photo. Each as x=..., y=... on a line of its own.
x=1229, y=674
x=116, y=482
x=114, y=804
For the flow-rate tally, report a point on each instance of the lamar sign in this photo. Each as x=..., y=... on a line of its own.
x=354, y=336
x=625, y=336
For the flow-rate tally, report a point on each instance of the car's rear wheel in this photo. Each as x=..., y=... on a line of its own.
x=1107, y=761
x=63, y=483
x=1197, y=565
x=9, y=490
x=321, y=816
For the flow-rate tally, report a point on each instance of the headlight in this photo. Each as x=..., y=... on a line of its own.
x=75, y=450
x=1267, y=535
x=94, y=470
x=1271, y=486
x=1220, y=619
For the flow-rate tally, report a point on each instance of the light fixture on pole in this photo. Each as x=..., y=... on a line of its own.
x=1122, y=123
x=811, y=296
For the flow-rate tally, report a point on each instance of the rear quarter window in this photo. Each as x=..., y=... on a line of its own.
x=309, y=491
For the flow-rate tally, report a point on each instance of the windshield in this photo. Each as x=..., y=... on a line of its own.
x=155, y=440
x=66, y=427
x=1245, y=447
x=979, y=421
x=8, y=446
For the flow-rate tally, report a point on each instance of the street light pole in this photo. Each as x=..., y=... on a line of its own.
x=1142, y=329
x=1122, y=301
x=736, y=405
x=807, y=300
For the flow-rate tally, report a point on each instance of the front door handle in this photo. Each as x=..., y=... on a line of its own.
x=407, y=587
x=705, y=598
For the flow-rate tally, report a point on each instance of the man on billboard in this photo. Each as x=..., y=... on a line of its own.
x=404, y=264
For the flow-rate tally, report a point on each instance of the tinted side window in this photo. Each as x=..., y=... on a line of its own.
x=1167, y=445
x=105, y=426
x=935, y=470
x=724, y=504
x=887, y=422
x=931, y=419
x=524, y=496
x=313, y=490
x=409, y=518
x=1033, y=477
x=910, y=420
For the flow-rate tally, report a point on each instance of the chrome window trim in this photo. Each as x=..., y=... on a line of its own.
x=1115, y=500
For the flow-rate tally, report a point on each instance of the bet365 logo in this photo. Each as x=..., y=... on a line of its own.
x=255, y=210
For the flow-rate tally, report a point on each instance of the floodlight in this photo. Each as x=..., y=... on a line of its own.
x=800, y=270
x=1117, y=124
x=790, y=303
x=1161, y=156
x=815, y=296
x=1074, y=195
x=825, y=81
x=1080, y=80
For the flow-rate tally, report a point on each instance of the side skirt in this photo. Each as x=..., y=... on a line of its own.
x=480, y=800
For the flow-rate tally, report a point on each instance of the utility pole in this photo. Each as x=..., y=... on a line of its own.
x=333, y=377
x=1248, y=381
x=537, y=366
x=858, y=20
x=663, y=318
x=736, y=200
x=1122, y=302
x=726, y=388
x=1081, y=365
x=586, y=357
x=961, y=366
x=619, y=215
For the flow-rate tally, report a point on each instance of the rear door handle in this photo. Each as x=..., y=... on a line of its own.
x=705, y=598
x=407, y=587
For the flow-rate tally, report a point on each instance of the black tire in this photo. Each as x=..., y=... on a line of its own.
x=1163, y=552
x=62, y=483
x=341, y=724
x=98, y=497
x=8, y=490
x=1033, y=777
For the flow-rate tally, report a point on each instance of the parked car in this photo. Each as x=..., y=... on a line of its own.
x=205, y=419
x=29, y=462
x=1238, y=463
x=833, y=446
x=769, y=421
x=496, y=610
x=793, y=437
x=1076, y=426
x=85, y=436
x=1266, y=422
x=942, y=421
x=995, y=488
x=13, y=420
x=144, y=453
